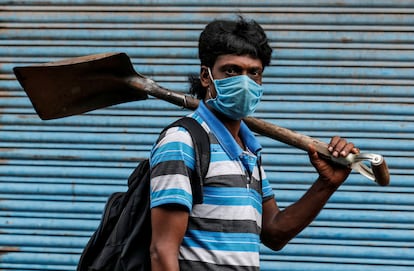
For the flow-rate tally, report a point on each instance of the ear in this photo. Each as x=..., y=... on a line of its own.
x=204, y=76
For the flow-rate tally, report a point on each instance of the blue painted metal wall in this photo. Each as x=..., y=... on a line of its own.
x=338, y=68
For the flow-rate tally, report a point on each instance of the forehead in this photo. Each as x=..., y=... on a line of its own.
x=243, y=61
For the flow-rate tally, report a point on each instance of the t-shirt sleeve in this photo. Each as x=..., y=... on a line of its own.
x=172, y=161
x=266, y=188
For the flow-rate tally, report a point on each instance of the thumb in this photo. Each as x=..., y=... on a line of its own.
x=313, y=154
x=318, y=163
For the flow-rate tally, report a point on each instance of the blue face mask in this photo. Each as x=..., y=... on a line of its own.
x=237, y=96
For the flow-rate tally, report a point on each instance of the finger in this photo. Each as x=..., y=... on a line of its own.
x=332, y=144
x=355, y=150
x=339, y=148
x=348, y=148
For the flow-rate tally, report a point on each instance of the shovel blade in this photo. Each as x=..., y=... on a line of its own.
x=78, y=85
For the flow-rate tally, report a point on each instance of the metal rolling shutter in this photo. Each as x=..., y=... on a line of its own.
x=339, y=68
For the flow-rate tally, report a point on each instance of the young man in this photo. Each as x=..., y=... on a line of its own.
x=239, y=210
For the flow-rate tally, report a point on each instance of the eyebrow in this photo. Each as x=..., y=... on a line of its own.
x=232, y=65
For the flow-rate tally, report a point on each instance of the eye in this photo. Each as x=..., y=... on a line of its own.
x=255, y=74
x=232, y=71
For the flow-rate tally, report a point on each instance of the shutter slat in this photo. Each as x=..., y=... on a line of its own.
x=338, y=68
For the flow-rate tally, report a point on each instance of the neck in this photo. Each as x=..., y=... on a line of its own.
x=233, y=126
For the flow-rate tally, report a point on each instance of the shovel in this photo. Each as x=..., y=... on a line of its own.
x=77, y=85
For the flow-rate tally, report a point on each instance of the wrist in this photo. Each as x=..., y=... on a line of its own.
x=328, y=183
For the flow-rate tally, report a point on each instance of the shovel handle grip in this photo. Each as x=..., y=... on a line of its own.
x=380, y=170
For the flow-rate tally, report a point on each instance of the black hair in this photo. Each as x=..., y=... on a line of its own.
x=220, y=37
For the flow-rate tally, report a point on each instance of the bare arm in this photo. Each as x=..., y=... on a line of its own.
x=169, y=224
x=279, y=227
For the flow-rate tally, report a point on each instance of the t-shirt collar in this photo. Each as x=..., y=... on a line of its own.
x=224, y=137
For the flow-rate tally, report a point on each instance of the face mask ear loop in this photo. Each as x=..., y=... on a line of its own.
x=209, y=74
x=212, y=80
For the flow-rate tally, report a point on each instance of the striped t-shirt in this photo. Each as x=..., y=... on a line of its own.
x=224, y=231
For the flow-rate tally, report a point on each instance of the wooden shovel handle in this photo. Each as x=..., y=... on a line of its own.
x=286, y=136
x=256, y=125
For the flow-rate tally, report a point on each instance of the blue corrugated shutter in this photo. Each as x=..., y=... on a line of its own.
x=338, y=68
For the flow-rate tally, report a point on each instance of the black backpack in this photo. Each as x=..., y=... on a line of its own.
x=123, y=237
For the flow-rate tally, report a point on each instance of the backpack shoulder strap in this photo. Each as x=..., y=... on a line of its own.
x=201, y=143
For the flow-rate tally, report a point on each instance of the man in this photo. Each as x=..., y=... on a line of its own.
x=239, y=210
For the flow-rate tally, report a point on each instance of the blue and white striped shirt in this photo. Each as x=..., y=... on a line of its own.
x=224, y=231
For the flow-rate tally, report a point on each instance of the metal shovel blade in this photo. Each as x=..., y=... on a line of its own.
x=74, y=86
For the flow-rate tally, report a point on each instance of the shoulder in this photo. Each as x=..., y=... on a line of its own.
x=175, y=134
x=181, y=134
